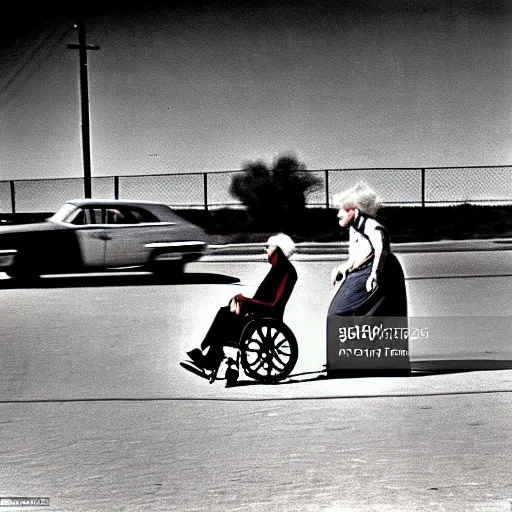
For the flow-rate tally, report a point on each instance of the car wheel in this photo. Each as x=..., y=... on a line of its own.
x=23, y=269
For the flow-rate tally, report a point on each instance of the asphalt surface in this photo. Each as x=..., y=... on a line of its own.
x=98, y=415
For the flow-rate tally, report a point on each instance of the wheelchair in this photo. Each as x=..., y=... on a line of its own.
x=267, y=351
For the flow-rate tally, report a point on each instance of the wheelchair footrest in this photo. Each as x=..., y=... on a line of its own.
x=228, y=367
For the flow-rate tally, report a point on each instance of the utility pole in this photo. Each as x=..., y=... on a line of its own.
x=82, y=48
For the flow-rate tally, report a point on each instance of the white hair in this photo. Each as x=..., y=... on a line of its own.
x=360, y=196
x=284, y=242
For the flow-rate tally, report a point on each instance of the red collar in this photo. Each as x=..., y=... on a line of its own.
x=275, y=256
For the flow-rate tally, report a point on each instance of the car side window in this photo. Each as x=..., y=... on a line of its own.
x=115, y=216
x=140, y=216
x=110, y=215
x=77, y=217
x=93, y=216
x=128, y=215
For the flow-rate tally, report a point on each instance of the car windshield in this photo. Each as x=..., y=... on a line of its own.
x=62, y=213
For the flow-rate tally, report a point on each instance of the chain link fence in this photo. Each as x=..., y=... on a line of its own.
x=394, y=186
x=210, y=190
x=478, y=185
x=42, y=195
x=178, y=190
x=218, y=195
x=101, y=187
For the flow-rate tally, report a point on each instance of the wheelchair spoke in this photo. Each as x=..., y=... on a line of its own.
x=278, y=364
x=260, y=334
x=257, y=340
x=281, y=343
x=253, y=350
x=279, y=359
x=260, y=365
x=283, y=352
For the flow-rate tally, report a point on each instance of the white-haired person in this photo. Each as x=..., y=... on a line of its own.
x=269, y=300
x=371, y=282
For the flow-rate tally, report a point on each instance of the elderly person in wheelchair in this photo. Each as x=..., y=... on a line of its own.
x=266, y=347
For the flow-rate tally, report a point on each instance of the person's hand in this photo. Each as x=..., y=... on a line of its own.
x=371, y=282
x=234, y=305
x=338, y=274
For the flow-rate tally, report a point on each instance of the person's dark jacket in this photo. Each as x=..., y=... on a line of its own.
x=274, y=291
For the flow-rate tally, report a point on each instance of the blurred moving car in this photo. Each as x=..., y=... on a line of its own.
x=89, y=235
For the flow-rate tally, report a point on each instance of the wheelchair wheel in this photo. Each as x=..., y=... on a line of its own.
x=268, y=350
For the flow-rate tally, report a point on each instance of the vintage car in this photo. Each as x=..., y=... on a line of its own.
x=88, y=235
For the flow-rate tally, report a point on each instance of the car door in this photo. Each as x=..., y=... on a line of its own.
x=129, y=230
x=91, y=235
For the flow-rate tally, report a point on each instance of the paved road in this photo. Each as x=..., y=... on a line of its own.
x=98, y=415
x=123, y=337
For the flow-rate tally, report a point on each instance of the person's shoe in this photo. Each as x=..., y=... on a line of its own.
x=198, y=358
x=194, y=353
x=231, y=373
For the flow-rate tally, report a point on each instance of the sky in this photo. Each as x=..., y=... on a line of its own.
x=207, y=85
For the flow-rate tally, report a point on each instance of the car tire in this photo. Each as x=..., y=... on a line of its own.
x=24, y=268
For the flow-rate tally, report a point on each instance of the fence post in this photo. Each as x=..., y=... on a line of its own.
x=116, y=187
x=423, y=188
x=205, y=191
x=13, y=197
x=326, y=189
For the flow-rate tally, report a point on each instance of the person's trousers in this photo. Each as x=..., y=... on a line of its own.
x=226, y=329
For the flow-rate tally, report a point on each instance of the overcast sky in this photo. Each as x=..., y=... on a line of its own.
x=379, y=83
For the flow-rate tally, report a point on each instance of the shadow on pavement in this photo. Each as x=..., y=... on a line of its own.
x=418, y=369
x=117, y=279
